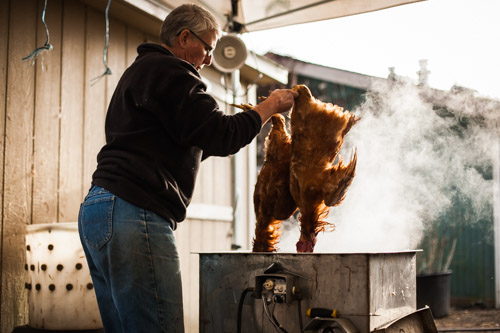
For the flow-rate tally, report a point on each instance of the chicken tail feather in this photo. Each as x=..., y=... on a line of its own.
x=340, y=178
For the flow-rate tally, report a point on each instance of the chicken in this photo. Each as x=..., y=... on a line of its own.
x=318, y=130
x=273, y=202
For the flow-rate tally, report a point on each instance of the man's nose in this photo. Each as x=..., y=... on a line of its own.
x=208, y=60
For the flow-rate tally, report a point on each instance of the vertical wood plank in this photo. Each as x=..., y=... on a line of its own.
x=4, y=36
x=182, y=236
x=95, y=94
x=192, y=286
x=18, y=161
x=215, y=192
x=198, y=195
x=207, y=236
x=71, y=189
x=217, y=181
x=222, y=230
x=206, y=180
x=117, y=56
x=222, y=181
x=228, y=185
x=46, y=124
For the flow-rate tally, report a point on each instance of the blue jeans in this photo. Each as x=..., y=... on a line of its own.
x=134, y=265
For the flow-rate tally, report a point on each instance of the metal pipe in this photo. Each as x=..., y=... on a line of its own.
x=236, y=174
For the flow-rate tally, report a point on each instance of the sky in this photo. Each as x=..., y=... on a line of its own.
x=460, y=39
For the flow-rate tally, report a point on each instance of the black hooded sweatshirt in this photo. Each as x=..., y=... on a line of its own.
x=159, y=125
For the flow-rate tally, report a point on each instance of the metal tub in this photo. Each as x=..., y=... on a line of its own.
x=355, y=284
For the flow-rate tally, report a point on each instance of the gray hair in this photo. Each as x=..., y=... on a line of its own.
x=187, y=16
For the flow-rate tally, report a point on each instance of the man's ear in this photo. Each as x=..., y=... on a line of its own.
x=183, y=37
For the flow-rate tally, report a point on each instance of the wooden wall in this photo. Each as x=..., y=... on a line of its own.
x=51, y=128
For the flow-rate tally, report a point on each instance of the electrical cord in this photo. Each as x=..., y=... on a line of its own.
x=274, y=307
x=272, y=319
x=240, y=307
x=47, y=46
x=272, y=312
x=269, y=314
x=266, y=311
x=107, y=70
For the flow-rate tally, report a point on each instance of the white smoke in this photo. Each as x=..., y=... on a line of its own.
x=412, y=157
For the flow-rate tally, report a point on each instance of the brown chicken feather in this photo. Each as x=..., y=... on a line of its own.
x=318, y=131
x=273, y=202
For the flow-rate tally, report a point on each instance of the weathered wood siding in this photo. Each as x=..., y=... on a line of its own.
x=52, y=126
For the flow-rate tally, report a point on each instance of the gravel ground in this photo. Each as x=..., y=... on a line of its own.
x=474, y=319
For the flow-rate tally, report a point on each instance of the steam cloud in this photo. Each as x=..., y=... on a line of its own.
x=412, y=157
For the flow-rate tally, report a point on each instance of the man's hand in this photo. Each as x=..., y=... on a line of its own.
x=280, y=100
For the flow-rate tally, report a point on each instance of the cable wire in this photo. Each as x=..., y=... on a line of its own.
x=45, y=47
x=107, y=70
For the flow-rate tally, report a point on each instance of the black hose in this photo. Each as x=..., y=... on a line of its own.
x=240, y=307
x=299, y=307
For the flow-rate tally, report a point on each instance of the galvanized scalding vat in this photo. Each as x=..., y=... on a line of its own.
x=370, y=289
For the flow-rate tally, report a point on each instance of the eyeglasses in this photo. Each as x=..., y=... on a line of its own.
x=209, y=49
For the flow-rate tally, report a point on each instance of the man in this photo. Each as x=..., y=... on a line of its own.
x=160, y=124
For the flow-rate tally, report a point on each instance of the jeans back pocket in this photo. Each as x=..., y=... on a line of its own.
x=96, y=220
